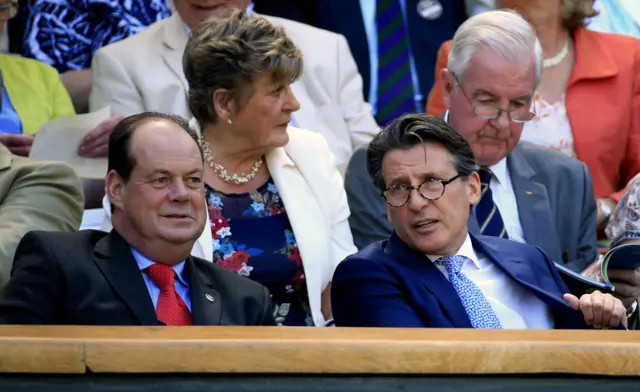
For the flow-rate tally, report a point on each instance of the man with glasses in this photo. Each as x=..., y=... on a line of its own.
x=529, y=194
x=432, y=272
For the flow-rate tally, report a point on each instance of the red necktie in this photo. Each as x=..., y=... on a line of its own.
x=171, y=309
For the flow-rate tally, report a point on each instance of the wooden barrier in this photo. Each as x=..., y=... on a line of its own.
x=273, y=350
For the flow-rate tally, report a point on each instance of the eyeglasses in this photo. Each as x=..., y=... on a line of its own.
x=431, y=189
x=520, y=115
x=8, y=10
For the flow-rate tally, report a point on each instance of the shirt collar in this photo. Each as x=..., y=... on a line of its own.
x=499, y=170
x=465, y=250
x=143, y=263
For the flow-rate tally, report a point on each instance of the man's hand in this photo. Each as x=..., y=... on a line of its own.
x=599, y=310
x=95, y=144
x=17, y=144
x=627, y=284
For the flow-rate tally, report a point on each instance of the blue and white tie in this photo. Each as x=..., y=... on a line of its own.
x=477, y=306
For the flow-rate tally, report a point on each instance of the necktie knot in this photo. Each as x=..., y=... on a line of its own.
x=453, y=264
x=485, y=175
x=162, y=275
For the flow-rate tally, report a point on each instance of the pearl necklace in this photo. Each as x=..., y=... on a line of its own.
x=238, y=179
x=557, y=59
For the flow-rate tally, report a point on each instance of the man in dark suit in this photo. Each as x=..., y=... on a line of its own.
x=141, y=273
x=425, y=23
x=432, y=272
x=541, y=197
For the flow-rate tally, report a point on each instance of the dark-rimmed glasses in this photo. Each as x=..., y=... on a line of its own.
x=430, y=189
x=520, y=115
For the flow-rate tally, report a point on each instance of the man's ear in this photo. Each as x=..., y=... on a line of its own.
x=474, y=188
x=448, y=84
x=116, y=189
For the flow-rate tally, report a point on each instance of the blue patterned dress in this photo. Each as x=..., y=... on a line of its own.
x=252, y=236
x=66, y=33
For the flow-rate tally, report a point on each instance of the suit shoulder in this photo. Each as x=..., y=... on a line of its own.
x=16, y=63
x=60, y=168
x=363, y=261
x=136, y=43
x=58, y=239
x=543, y=158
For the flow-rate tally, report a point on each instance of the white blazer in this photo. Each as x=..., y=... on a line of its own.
x=313, y=194
x=144, y=73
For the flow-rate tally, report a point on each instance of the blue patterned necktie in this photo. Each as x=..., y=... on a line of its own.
x=475, y=303
x=486, y=211
x=395, y=87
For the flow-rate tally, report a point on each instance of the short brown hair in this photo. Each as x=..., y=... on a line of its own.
x=228, y=52
x=575, y=13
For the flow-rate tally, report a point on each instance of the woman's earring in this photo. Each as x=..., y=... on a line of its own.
x=229, y=121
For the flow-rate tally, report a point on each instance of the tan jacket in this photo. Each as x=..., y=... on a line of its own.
x=144, y=73
x=34, y=195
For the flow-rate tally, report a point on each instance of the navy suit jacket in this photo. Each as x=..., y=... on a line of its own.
x=387, y=284
x=345, y=17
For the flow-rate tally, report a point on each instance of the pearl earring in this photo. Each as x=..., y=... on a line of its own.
x=229, y=121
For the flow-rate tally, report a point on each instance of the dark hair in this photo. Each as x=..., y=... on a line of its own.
x=416, y=129
x=228, y=52
x=120, y=158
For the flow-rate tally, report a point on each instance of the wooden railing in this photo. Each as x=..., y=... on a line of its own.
x=267, y=350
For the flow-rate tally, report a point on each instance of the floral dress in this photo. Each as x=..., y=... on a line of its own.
x=252, y=236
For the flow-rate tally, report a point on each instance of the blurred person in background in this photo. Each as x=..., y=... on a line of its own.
x=65, y=35
x=394, y=42
x=588, y=101
x=32, y=95
x=34, y=195
x=144, y=72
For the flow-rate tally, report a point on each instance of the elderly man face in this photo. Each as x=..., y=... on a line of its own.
x=491, y=86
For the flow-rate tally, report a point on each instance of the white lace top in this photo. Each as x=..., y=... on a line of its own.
x=550, y=128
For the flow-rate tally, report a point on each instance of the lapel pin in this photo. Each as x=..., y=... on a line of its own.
x=210, y=297
x=529, y=193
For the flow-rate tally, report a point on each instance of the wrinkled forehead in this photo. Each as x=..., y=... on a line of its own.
x=420, y=160
x=488, y=71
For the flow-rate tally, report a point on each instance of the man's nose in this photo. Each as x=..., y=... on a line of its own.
x=179, y=191
x=416, y=201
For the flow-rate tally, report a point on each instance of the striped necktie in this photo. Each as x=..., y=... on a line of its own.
x=486, y=211
x=395, y=87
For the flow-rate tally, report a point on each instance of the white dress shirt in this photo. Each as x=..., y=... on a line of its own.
x=505, y=199
x=515, y=307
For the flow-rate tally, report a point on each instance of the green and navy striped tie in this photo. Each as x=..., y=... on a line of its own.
x=395, y=87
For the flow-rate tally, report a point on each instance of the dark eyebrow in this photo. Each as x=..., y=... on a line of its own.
x=169, y=173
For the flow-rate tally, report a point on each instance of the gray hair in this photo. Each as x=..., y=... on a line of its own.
x=504, y=32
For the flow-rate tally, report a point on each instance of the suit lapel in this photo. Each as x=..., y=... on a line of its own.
x=301, y=210
x=433, y=280
x=175, y=39
x=534, y=208
x=205, y=300
x=517, y=268
x=113, y=257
